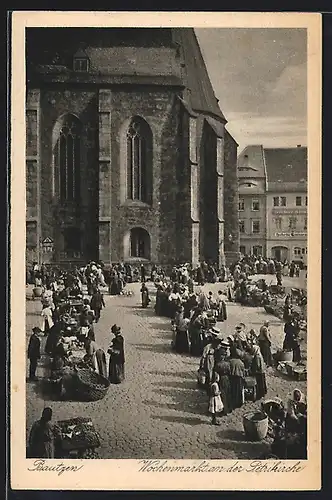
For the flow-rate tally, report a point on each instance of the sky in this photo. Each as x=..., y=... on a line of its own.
x=260, y=78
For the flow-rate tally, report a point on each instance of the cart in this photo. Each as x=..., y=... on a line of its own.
x=79, y=439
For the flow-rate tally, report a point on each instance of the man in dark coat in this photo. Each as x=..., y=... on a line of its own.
x=34, y=352
x=97, y=303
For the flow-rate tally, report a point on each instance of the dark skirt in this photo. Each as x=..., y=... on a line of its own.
x=145, y=299
x=225, y=393
x=182, y=342
x=261, y=387
x=101, y=362
x=237, y=391
x=222, y=313
x=116, y=371
x=265, y=348
x=114, y=288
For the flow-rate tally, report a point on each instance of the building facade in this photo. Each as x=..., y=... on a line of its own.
x=127, y=154
x=252, y=201
x=273, y=202
x=287, y=200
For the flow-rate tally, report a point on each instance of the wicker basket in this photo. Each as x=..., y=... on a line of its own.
x=89, y=385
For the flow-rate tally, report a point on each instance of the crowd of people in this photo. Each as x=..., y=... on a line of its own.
x=68, y=314
x=232, y=365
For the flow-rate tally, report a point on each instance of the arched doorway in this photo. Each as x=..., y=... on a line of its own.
x=279, y=253
x=140, y=244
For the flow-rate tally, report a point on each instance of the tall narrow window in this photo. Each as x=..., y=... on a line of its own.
x=241, y=204
x=139, y=144
x=256, y=226
x=67, y=158
x=255, y=205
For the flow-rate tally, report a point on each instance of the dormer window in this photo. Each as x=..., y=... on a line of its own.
x=81, y=64
x=81, y=61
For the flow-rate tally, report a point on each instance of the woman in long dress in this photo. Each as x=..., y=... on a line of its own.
x=237, y=374
x=145, y=296
x=43, y=436
x=223, y=370
x=258, y=371
x=117, y=358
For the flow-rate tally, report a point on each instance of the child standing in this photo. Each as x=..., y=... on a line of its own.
x=216, y=405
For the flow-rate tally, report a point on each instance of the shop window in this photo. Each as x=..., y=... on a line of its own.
x=241, y=204
x=139, y=146
x=255, y=205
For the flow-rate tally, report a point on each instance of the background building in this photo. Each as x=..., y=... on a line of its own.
x=287, y=203
x=127, y=155
x=273, y=202
x=252, y=201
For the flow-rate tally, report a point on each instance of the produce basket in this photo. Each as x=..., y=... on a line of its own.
x=78, y=434
x=89, y=385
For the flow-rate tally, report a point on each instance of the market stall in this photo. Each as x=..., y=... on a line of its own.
x=79, y=439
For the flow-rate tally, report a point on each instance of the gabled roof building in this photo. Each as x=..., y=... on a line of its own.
x=127, y=153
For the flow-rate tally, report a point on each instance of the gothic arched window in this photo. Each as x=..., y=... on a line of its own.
x=139, y=150
x=67, y=158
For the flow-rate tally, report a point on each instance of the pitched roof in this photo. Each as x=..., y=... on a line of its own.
x=251, y=163
x=171, y=53
x=195, y=75
x=286, y=165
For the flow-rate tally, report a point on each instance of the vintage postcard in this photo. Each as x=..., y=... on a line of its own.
x=165, y=251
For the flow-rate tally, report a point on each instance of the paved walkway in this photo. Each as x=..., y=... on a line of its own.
x=158, y=411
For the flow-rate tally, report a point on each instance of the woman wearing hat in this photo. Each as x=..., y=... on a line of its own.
x=208, y=357
x=117, y=357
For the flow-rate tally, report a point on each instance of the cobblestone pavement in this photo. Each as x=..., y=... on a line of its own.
x=158, y=411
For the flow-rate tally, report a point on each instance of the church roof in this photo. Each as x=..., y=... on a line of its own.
x=195, y=75
x=168, y=55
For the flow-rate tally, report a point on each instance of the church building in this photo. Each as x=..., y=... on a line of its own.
x=127, y=154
